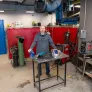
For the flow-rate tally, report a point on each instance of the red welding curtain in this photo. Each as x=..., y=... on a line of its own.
x=57, y=34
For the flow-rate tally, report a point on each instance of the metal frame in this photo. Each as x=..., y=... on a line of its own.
x=39, y=81
x=84, y=64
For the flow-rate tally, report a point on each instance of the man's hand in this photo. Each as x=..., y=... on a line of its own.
x=29, y=50
x=59, y=52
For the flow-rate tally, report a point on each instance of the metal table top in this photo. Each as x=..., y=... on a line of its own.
x=49, y=57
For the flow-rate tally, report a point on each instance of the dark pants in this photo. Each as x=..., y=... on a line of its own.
x=47, y=68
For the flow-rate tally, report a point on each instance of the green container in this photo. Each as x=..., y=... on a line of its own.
x=21, y=53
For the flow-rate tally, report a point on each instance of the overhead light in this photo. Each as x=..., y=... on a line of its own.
x=71, y=5
x=1, y=11
x=29, y=11
x=77, y=6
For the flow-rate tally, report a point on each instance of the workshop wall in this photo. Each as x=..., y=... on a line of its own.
x=88, y=25
x=26, y=19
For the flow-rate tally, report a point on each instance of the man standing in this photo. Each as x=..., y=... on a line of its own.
x=43, y=40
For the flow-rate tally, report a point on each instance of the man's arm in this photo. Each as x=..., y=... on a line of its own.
x=34, y=42
x=51, y=42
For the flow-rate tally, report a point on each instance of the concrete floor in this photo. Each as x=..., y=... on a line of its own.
x=20, y=79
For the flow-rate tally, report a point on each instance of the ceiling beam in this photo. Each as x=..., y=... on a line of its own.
x=16, y=7
x=14, y=3
x=78, y=13
x=9, y=2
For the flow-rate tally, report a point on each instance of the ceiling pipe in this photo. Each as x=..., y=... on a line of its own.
x=46, y=6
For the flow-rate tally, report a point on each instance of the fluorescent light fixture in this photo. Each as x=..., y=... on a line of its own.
x=29, y=11
x=77, y=6
x=1, y=11
x=71, y=5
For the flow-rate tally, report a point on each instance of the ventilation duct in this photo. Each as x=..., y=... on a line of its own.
x=42, y=6
x=39, y=6
x=53, y=6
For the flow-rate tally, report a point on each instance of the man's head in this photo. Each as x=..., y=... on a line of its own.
x=42, y=30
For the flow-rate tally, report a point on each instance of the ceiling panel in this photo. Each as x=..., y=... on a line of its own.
x=14, y=0
x=30, y=2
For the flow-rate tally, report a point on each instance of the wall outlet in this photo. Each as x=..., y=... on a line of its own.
x=83, y=34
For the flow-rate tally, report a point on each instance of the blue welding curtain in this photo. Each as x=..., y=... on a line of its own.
x=2, y=38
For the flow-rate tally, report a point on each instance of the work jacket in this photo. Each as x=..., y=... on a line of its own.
x=42, y=43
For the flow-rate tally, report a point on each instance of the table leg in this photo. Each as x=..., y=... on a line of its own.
x=65, y=75
x=84, y=67
x=77, y=63
x=57, y=70
x=33, y=73
x=39, y=77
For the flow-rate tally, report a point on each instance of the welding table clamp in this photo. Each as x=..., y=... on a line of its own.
x=48, y=58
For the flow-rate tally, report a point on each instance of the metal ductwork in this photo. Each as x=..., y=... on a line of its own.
x=53, y=6
x=50, y=6
x=42, y=6
x=39, y=6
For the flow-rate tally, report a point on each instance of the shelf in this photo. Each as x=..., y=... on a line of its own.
x=89, y=74
x=86, y=58
x=80, y=58
x=89, y=61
